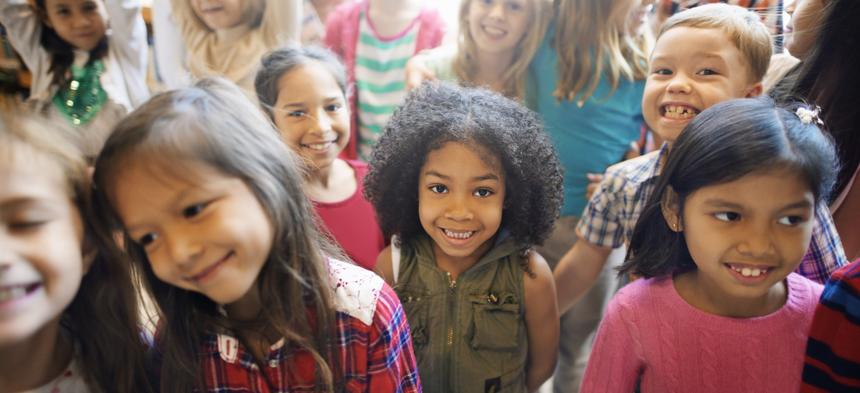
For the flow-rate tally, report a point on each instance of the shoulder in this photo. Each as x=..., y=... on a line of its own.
x=360, y=168
x=635, y=171
x=539, y=274
x=356, y=290
x=384, y=267
x=345, y=12
x=803, y=293
x=640, y=294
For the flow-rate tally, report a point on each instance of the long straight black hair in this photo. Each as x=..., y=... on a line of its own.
x=828, y=77
x=724, y=143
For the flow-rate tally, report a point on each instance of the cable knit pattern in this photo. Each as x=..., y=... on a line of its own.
x=651, y=335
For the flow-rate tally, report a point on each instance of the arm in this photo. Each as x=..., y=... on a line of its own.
x=417, y=71
x=24, y=29
x=542, y=322
x=189, y=25
x=169, y=47
x=577, y=270
x=383, y=266
x=128, y=31
x=391, y=364
x=615, y=363
x=282, y=22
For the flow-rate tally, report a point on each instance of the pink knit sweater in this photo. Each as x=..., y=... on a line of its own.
x=650, y=334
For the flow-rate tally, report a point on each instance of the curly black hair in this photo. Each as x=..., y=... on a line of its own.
x=437, y=113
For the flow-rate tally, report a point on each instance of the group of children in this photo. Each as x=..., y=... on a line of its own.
x=237, y=204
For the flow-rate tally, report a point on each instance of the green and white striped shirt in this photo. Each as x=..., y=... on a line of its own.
x=380, y=79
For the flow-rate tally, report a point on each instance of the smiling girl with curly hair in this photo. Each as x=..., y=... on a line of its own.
x=469, y=182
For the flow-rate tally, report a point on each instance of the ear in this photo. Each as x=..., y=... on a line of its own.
x=754, y=90
x=670, y=206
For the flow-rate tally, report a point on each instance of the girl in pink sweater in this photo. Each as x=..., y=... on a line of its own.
x=719, y=309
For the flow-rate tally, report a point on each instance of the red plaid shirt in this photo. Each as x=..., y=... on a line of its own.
x=374, y=344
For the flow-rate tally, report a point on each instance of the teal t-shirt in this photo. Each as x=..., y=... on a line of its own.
x=589, y=138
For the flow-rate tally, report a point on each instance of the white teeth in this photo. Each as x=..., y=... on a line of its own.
x=459, y=235
x=318, y=146
x=12, y=293
x=494, y=31
x=749, y=272
x=679, y=112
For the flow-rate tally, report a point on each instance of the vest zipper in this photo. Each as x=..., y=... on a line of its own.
x=452, y=285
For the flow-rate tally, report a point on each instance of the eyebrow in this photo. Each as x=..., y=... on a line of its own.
x=21, y=202
x=716, y=202
x=488, y=176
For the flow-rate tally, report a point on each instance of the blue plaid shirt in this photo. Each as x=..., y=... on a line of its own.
x=613, y=210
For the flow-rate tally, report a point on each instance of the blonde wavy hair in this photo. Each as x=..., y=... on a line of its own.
x=589, y=44
x=465, y=66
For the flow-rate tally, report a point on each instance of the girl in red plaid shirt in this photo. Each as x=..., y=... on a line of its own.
x=251, y=296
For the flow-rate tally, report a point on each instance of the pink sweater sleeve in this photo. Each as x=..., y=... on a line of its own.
x=616, y=357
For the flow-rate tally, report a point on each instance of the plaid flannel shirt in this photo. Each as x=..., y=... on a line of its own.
x=375, y=349
x=613, y=210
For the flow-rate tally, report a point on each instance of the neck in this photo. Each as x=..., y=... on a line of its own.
x=383, y=6
x=457, y=265
x=35, y=361
x=491, y=68
x=231, y=34
x=701, y=293
x=320, y=177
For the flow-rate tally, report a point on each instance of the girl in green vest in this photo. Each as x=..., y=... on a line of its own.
x=468, y=182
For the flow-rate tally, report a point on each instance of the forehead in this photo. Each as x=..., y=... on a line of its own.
x=782, y=187
x=467, y=159
x=29, y=173
x=684, y=42
x=305, y=80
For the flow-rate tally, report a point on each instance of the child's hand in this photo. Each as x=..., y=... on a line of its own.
x=417, y=72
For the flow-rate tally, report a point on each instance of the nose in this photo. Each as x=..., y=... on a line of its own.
x=679, y=84
x=183, y=250
x=81, y=21
x=497, y=10
x=459, y=208
x=322, y=124
x=757, y=241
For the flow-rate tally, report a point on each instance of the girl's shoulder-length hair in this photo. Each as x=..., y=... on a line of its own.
x=591, y=47
x=215, y=124
x=758, y=136
x=465, y=61
x=438, y=113
x=103, y=317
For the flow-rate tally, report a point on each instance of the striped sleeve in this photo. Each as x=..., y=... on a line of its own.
x=832, y=361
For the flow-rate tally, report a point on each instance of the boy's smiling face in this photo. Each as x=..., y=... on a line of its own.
x=691, y=69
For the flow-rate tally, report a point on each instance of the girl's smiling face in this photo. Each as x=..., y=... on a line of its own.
x=311, y=114
x=499, y=25
x=461, y=194
x=203, y=231
x=744, y=244
x=81, y=23
x=220, y=14
x=41, y=237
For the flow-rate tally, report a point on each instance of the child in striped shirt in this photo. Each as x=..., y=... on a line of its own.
x=375, y=39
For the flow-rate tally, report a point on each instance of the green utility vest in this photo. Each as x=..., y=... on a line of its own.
x=469, y=335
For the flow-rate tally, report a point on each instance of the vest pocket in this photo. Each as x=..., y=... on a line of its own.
x=495, y=322
x=416, y=307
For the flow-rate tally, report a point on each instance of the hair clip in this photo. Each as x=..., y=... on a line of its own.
x=808, y=116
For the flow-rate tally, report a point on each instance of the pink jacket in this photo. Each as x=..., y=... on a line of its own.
x=341, y=37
